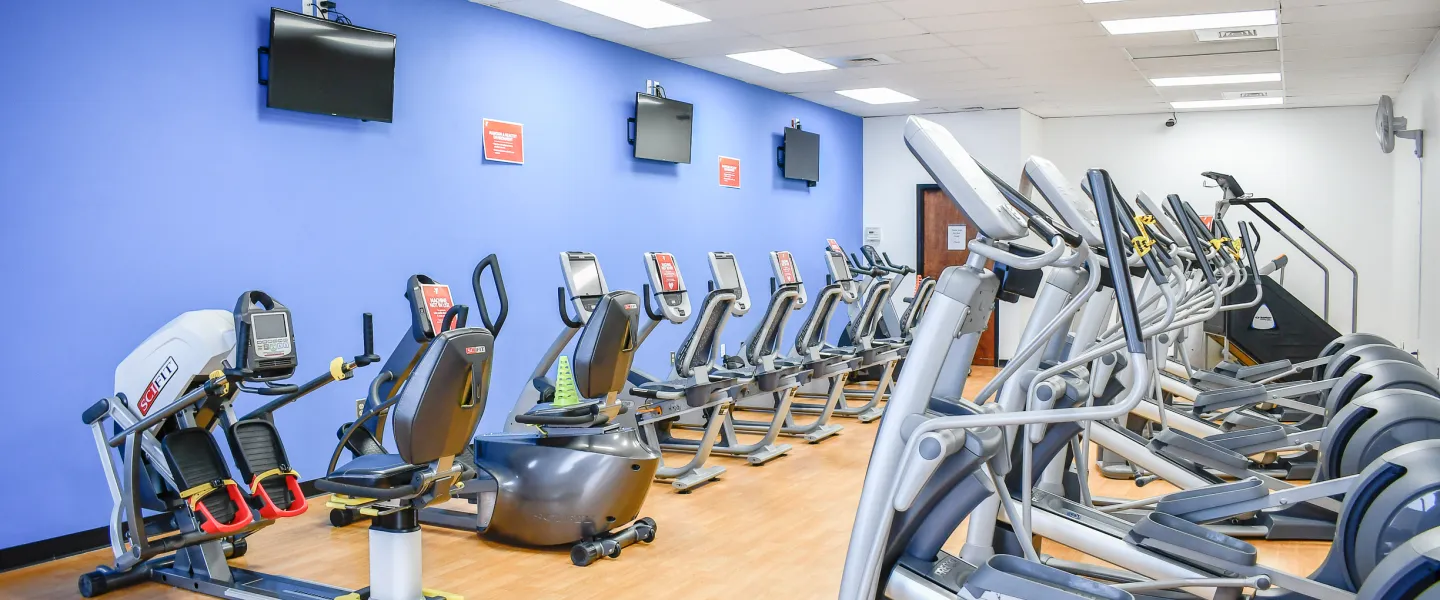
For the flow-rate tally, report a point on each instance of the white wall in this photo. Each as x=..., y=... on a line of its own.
x=996, y=138
x=1321, y=164
x=1415, y=292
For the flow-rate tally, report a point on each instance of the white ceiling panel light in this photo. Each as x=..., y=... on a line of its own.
x=1215, y=79
x=782, y=60
x=1188, y=22
x=877, y=96
x=1236, y=103
x=647, y=14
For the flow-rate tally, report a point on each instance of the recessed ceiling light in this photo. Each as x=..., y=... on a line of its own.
x=1227, y=103
x=877, y=96
x=1189, y=22
x=782, y=61
x=1214, y=79
x=648, y=14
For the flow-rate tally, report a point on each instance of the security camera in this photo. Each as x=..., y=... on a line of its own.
x=1170, y=122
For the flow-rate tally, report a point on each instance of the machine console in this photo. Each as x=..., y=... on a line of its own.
x=1079, y=214
x=429, y=303
x=584, y=280
x=725, y=272
x=782, y=263
x=840, y=273
x=668, y=286
x=264, y=340
x=963, y=180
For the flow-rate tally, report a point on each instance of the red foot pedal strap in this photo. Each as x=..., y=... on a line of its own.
x=270, y=510
x=243, y=516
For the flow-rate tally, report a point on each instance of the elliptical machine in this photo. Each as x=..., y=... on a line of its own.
x=171, y=393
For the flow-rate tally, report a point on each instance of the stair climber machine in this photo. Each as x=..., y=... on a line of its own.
x=772, y=379
x=931, y=467
x=826, y=370
x=695, y=393
x=1281, y=327
x=155, y=439
x=861, y=337
x=565, y=454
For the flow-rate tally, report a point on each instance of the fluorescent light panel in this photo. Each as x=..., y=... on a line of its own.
x=1189, y=22
x=877, y=96
x=1227, y=103
x=782, y=61
x=1099, y=1
x=1214, y=79
x=648, y=14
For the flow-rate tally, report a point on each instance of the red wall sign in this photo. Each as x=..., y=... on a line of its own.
x=729, y=172
x=504, y=141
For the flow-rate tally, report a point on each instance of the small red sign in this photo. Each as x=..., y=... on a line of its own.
x=504, y=141
x=729, y=172
x=1207, y=219
x=437, y=302
x=669, y=275
x=834, y=245
x=787, y=267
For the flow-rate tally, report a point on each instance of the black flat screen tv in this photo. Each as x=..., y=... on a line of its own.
x=662, y=128
x=320, y=66
x=802, y=155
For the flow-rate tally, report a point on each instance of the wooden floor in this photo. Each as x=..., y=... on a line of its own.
x=773, y=532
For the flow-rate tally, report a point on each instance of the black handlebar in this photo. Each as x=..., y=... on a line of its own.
x=1126, y=221
x=573, y=323
x=1115, y=252
x=491, y=262
x=1040, y=222
x=1248, y=245
x=1191, y=236
x=650, y=312
x=454, y=318
x=1160, y=250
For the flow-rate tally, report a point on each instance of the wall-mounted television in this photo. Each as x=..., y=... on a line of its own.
x=320, y=66
x=662, y=128
x=800, y=156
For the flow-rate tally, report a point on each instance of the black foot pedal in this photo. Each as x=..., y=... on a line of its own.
x=204, y=481
x=255, y=444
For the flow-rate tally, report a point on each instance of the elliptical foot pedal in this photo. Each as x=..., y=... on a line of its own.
x=1015, y=577
x=204, y=481
x=265, y=468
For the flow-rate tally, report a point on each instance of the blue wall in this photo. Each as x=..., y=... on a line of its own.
x=142, y=177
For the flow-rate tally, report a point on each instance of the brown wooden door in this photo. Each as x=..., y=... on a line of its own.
x=938, y=214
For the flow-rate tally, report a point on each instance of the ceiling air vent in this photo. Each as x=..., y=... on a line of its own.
x=863, y=60
x=1237, y=33
x=1252, y=94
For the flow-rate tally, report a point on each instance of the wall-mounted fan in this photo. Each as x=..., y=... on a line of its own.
x=1388, y=127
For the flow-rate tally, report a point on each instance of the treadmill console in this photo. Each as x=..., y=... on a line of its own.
x=725, y=272
x=840, y=273
x=584, y=280
x=668, y=286
x=788, y=275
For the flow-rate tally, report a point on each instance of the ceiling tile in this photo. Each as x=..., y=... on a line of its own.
x=819, y=18
x=835, y=35
x=1051, y=15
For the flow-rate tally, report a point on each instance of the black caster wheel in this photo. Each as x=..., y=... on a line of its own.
x=93, y=584
x=238, y=548
x=340, y=517
x=585, y=554
x=646, y=529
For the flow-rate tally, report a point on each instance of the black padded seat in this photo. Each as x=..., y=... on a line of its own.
x=379, y=476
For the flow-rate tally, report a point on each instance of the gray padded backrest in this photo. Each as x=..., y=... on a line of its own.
x=765, y=340
x=870, y=310
x=912, y=315
x=442, y=399
x=699, y=346
x=607, y=345
x=812, y=331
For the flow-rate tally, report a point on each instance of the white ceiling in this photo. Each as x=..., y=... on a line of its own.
x=1050, y=57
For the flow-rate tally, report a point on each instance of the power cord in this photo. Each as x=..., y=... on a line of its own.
x=327, y=8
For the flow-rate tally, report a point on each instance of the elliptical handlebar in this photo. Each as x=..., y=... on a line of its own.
x=571, y=322
x=1191, y=236
x=649, y=311
x=491, y=262
x=1101, y=188
x=339, y=370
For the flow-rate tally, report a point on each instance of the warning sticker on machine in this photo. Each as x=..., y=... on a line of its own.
x=437, y=302
x=787, y=267
x=669, y=275
x=157, y=383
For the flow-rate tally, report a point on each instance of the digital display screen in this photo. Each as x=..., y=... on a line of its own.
x=838, y=267
x=802, y=155
x=586, y=277
x=321, y=66
x=662, y=129
x=726, y=274
x=270, y=326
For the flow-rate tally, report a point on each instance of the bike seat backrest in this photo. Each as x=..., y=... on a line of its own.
x=918, y=304
x=765, y=340
x=871, y=310
x=444, y=396
x=812, y=330
x=699, y=346
x=607, y=345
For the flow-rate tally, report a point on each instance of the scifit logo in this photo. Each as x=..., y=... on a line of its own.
x=475, y=350
x=157, y=383
x=631, y=306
